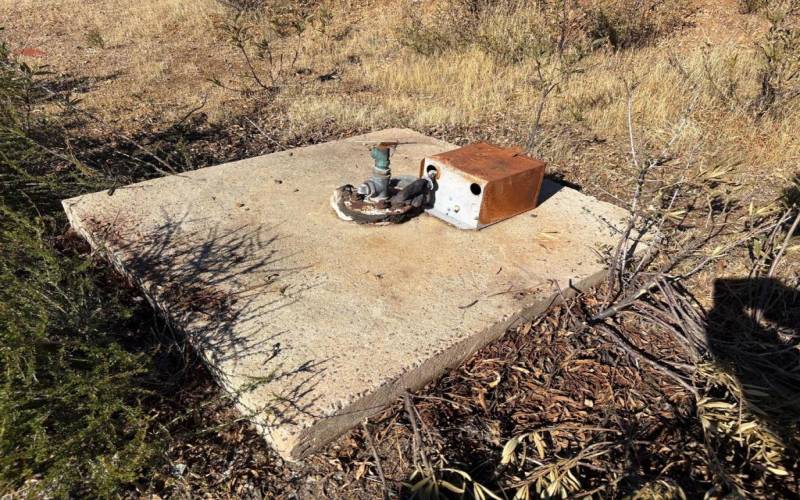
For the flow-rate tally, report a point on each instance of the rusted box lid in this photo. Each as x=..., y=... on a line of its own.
x=481, y=184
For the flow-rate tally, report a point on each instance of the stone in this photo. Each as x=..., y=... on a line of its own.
x=314, y=323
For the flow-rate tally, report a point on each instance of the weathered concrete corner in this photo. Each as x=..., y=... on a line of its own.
x=314, y=323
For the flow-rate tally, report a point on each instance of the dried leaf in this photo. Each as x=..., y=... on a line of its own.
x=509, y=449
x=482, y=492
x=719, y=405
x=778, y=471
x=523, y=493
x=539, y=443
x=450, y=486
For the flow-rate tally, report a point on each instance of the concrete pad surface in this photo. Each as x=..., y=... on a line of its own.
x=314, y=323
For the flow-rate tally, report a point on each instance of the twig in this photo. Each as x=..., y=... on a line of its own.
x=663, y=273
x=538, y=117
x=756, y=268
x=416, y=438
x=191, y=112
x=253, y=71
x=629, y=118
x=575, y=321
x=786, y=240
x=635, y=351
x=618, y=259
x=378, y=467
x=264, y=133
x=556, y=76
x=765, y=289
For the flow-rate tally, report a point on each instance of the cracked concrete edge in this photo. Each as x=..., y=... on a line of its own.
x=314, y=438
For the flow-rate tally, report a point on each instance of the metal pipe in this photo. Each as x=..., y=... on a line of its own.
x=377, y=187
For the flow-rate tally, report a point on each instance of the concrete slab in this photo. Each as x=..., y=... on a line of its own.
x=314, y=323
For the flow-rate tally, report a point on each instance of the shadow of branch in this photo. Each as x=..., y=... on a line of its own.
x=753, y=332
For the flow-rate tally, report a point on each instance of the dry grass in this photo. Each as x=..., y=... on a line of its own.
x=469, y=90
x=154, y=60
x=158, y=57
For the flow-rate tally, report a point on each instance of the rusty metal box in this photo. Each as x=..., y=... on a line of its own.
x=481, y=184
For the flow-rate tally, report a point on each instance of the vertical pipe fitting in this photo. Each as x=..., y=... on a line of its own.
x=381, y=173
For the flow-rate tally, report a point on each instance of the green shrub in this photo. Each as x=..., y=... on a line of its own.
x=267, y=34
x=779, y=58
x=95, y=39
x=512, y=36
x=71, y=422
x=633, y=23
x=68, y=410
x=750, y=6
x=447, y=28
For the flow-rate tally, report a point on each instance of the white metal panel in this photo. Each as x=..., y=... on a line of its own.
x=455, y=202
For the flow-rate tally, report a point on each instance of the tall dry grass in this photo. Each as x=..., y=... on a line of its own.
x=468, y=88
x=139, y=60
x=161, y=56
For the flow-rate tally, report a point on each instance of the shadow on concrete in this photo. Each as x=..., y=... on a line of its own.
x=754, y=330
x=218, y=288
x=549, y=188
x=553, y=183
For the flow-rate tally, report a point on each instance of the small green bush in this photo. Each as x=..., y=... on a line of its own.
x=779, y=58
x=71, y=419
x=751, y=6
x=633, y=23
x=512, y=37
x=449, y=27
x=95, y=39
x=267, y=34
x=68, y=411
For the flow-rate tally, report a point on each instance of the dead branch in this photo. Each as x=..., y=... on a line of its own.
x=786, y=240
x=665, y=272
x=640, y=354
x=378, y=467
x=416, y=438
